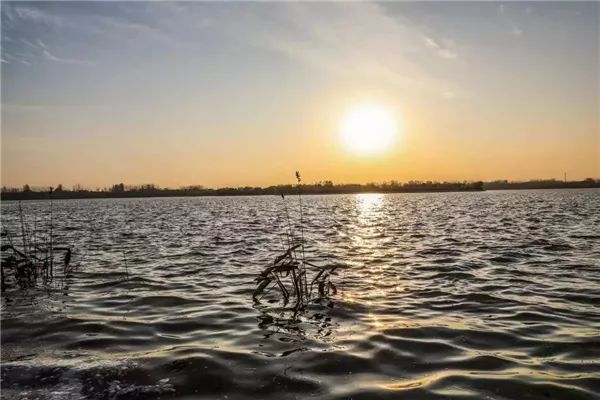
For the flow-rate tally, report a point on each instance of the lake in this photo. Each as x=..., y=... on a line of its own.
x=478, y=295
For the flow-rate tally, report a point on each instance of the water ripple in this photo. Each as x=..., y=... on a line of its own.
x=446, y=296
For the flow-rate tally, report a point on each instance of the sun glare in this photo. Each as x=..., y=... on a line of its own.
x=369, y=129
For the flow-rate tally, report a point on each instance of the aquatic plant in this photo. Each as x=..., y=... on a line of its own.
x=291, y=274
x=32, y=263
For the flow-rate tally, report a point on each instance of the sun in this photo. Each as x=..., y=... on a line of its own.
x=368, y=129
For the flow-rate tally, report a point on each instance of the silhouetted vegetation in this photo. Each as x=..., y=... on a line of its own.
x=29, y=256
x=324, y=187
x=290, y=272
x=542, y=184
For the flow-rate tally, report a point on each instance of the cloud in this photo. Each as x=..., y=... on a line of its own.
x=441, y=51
x=445, y=53
x=51, y=57
x=352, y=41
x=349, y=40
x=358, y=41
x=39, y=52
x=429, y=42
x=9, y=58
x=28, y=43
x=35, y=15
x=27, y=24
x=517, y=32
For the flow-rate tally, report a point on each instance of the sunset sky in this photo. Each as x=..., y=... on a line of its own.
x=223, y=94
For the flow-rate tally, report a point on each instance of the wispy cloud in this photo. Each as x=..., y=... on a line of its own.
x=52, y=57
x=429, y=42
x=38, y=53
x=517, y=32
x=351, y=41
x=28, y=43
x=25, y=23
x=34, y=14
x=441, y=51
x=356, y=40
x=9, y=58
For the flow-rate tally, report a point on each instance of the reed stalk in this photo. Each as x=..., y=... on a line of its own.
x=51, y=238
x=293, y=269
x=299, y=179
x=23, y=228
x=23, y=266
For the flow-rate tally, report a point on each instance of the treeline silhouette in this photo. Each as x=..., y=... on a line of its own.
x=324, y=187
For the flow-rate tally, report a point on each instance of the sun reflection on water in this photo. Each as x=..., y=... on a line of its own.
x=367, y=228
x=369, y=239
x=368, y=204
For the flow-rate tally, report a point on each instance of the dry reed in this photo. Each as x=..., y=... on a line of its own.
x=289, y=273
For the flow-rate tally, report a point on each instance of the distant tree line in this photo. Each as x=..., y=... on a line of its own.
x=324, y=187
x=542, y=184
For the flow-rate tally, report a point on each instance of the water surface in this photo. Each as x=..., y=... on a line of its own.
x=446, y=296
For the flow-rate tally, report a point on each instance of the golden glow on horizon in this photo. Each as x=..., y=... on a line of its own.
x=453, y=108
x=369, y=129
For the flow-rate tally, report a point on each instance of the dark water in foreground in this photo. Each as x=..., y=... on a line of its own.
x=492, y=295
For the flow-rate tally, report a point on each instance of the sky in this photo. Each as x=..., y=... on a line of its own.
x=235, y=94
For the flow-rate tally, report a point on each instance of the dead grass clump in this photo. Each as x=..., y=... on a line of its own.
x=31, y=258
x=291, y=275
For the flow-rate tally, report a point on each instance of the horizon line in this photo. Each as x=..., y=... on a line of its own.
x=152, y=186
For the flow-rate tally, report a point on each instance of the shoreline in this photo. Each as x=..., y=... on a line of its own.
x=21, y=196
